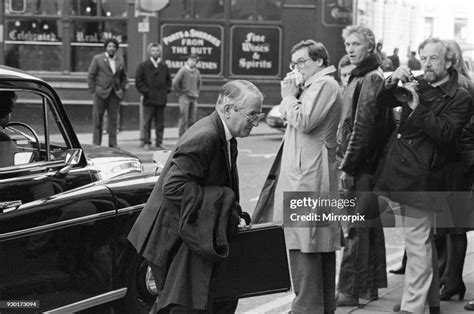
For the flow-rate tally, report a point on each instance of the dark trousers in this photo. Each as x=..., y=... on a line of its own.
x=150, y=114
x=363, y=264
x=111, y=104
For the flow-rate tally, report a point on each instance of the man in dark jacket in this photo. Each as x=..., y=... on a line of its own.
x=153, y=81
x=364, y=129
x=201, y=170
x=414, y=161
x=107, y=80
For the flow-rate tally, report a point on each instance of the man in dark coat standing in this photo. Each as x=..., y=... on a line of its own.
x=153, y=81
x=413, y=166
x=107, y=80
x=200, y=171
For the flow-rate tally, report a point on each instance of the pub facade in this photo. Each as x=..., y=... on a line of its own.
x=234, y=39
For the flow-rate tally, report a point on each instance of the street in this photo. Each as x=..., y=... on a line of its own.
x=256, y=154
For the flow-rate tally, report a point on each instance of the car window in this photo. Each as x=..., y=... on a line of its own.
x=29, y=133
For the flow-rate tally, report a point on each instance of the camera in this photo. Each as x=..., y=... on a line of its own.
x=403, y=94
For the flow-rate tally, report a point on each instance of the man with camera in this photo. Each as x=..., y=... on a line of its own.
x=412, y=168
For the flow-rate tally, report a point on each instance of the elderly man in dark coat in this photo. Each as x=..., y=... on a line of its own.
x=198, y=186
x=414, y=162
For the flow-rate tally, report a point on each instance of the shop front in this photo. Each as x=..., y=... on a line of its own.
x=234, y=39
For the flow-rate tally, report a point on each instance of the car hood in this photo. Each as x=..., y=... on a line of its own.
x=107, y=163
x=94, y=151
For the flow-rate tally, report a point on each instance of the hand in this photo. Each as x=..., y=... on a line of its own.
x=289, y=87
x=401, y=74
x=347, y=181
x=246, y=217
x=415, y=98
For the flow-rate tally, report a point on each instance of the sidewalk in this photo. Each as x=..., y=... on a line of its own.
x=130, y=140
x=390, y=296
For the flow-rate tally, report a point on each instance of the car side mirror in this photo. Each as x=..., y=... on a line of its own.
x=22, y=158
x=73, y=156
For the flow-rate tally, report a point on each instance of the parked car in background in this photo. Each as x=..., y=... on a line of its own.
x=66, y=209
x=274, y=119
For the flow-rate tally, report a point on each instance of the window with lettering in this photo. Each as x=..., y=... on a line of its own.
x=87, y=39
x=255, y=51
x=61, y=35
x=180, y=40
x=33, y=44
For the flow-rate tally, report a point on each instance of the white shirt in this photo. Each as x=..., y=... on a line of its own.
x=111, y=62
x=155, y=63
x=228, y=137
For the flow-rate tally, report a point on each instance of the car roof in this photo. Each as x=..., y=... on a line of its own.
x=9, y=73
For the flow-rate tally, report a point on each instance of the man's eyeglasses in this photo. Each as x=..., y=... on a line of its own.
x=300, y=63
x=251, y=118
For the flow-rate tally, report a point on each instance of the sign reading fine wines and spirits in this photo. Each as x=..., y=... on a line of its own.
x=180, y=40
x=255, y=51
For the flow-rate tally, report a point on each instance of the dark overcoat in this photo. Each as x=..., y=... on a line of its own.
x=199, y=159
x=154, y=83
x=418, y=150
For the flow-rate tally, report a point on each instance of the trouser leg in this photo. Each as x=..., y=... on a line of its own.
x=159, y=124
x=112, y=109
x=183, y=114
x=147, y=120
x=421, y=279
x=97, y=119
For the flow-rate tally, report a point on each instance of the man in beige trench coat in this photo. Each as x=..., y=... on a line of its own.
x=309, y=164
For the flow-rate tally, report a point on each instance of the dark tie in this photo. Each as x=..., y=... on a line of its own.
x=233, y=167
x=233, y=154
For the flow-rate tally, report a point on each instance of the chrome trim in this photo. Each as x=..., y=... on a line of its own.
x=55, y=226
x=91, y=302
x=130, y=209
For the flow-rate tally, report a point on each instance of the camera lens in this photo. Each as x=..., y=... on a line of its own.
x=403, y=95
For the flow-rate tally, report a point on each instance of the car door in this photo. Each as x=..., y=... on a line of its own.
x=55, y=242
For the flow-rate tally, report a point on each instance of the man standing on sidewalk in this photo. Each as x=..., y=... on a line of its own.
x=107, y=80
x=153, y=81
x=187, y=84
x=414, y=163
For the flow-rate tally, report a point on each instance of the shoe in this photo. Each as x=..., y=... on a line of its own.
x=397, y=308
x=141, y=144
x=346, y=300
x=398, y=271
x=469, y=306
x=161, y=147
x=147, y=147
x=445, y=294
x=372, y=294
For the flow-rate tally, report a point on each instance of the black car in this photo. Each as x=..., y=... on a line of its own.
x=66, y=210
